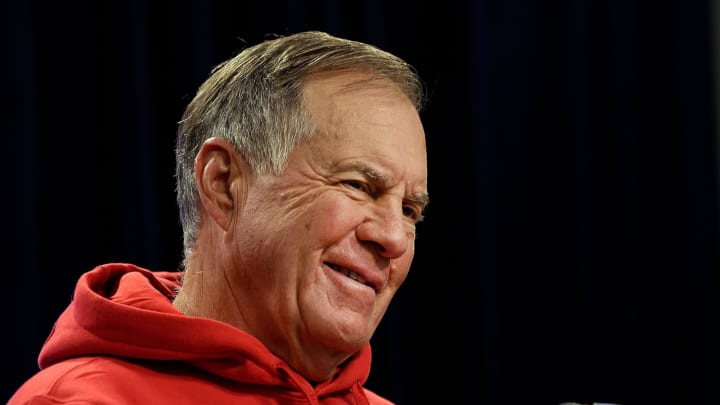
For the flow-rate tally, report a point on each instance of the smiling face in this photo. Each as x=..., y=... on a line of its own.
x=325, y=245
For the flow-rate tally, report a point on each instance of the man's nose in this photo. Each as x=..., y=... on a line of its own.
x=387, y=228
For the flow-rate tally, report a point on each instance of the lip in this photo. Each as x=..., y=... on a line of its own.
x=372, y=279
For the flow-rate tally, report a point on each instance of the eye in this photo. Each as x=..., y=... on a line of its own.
x=357, y=185
x=412, y=212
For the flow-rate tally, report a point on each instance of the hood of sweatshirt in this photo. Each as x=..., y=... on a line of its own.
x=122, y=310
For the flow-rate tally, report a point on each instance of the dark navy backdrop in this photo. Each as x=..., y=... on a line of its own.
x=570, y=251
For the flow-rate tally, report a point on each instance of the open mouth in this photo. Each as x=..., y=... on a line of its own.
x=353, y=275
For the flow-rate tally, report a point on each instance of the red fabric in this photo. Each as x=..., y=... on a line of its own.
x=121, y=341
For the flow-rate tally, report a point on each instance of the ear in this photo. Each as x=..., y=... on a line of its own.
x=219, y=173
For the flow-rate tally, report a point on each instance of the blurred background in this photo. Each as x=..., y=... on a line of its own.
x=570, y=251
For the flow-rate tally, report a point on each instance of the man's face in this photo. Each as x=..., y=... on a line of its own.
x=325, y=245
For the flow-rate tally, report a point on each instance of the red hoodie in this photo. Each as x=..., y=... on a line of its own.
x=121, y=341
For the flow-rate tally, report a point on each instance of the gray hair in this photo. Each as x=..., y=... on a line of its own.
x=254, y=100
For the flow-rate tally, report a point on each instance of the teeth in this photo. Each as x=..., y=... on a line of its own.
x=353, y=275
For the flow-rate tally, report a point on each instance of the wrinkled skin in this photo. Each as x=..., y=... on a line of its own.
x=312, y=258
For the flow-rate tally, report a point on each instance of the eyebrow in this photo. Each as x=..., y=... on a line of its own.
x=421, y=198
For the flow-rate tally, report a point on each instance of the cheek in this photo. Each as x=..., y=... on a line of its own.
x=332, y=219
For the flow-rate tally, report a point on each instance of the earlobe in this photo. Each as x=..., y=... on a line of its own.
x=217, y=168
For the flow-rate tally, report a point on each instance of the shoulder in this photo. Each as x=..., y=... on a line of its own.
x=96, y=380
